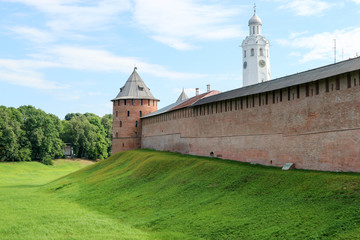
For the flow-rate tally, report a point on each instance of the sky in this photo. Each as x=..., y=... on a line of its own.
x=68, y=56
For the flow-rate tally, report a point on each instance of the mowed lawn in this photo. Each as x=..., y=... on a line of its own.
x=27, y=212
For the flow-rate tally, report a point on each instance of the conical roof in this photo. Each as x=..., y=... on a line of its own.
x=182, y=96
x=134, y=88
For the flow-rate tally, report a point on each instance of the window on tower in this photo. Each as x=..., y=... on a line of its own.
x=252, y=52
x=261, y=52
x=245, y=54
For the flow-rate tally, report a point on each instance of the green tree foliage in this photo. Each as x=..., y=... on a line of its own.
x=107, y=122
x=42, y=132
x=13, y=145
x=29, y=134
x=89, y=134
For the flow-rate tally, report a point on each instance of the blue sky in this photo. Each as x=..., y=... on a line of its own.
x=68, y=56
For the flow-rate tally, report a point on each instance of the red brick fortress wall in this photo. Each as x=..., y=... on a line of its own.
x=126, y=122
x=314, y=125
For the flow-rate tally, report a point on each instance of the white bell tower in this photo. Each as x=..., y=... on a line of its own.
x=256, y=58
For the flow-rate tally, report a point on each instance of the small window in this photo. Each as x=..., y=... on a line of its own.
x=140, y=113
x=273, y=94
x=117, y=135
x=125, y=102
x=317, y=87
x=136, y=124
x=259, y=99
x=281, y=95
x=118, y=102
x=128, y=113
x=257, y=29
x=261, y=52
x=141, y=102
x=120, y=123
x=252, y=52
x=298, y=91
x=266, y=98
x=136, y=134
x=327, y=85
x=133, y=102
x=253, y=29
x=148, y=102
x=349, y=80
x=244, y=53
x=337, y=83
x=288, y=93
x=116, y=114
x=307, y=89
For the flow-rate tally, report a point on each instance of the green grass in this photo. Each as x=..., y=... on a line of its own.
x=145, y=194
x=27, y=212
x=179, y=196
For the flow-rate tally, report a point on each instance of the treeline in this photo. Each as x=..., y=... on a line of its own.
x=27, y=133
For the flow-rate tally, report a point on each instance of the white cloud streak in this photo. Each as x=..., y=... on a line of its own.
x=307, y=7
x=100, y=60
x=28, y=72
x=79, y=15
x=320, y=46
x=23, y=73
x=177, y=23
x=33, y=34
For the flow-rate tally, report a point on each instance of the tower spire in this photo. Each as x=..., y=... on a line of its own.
x=254, y=8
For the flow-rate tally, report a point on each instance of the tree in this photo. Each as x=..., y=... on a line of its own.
x=42, y=133
x=88, y=135
x=13, y=145
x=107, y=122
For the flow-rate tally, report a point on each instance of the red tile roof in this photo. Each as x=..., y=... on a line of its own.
x=193, y=100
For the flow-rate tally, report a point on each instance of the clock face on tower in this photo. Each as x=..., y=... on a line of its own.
x=245, y=64
x=262, y=63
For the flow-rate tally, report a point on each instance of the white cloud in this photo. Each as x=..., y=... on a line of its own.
x=80, y=15
x=28, y=72
x=100, y=60
x=23, y=73
x=33, y=34
x=356, y=1
x=307, y=7
x=320, y=46
x=179, y=22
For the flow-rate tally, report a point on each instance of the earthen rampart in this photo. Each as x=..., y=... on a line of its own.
x=315, y=125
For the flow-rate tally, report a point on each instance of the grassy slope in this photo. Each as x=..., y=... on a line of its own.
x=173, y=196
x=29, y=213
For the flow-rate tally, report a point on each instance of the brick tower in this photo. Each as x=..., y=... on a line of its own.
x=133, y=101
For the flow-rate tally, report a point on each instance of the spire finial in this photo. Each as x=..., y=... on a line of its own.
x=254, y=8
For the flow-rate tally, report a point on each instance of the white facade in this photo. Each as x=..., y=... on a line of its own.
x=256, y=57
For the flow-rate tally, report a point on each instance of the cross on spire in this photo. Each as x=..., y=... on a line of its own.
x=254, y=7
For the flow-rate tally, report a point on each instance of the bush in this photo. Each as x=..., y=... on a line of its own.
x=47, y=160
